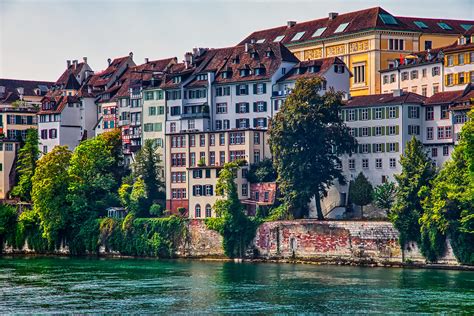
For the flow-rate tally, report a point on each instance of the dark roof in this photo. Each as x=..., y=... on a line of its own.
x=103, y=77
x=455, y=98
x=301, y=69
x=423, y=58
x=385, y=99
x=72, y=69
x=11, y=93
x=72, y=83
x=363, y=20
x=60, y=103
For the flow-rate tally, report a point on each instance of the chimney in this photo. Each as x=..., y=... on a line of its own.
x=146, y=60
x=188, y=59
x=84, y=59
x=68, y=63
x=290, y=24
x=397, y=92
x=74, y=62
x=131, y=55
x=109, y=61
x=333, y=15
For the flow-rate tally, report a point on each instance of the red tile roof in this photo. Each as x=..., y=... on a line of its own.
x=385, y=99
x=368, y=19
x=321, y=66
x=454, y=98
x=75, y=70
x=103, y=77
x=11, y=93
x=60, y=103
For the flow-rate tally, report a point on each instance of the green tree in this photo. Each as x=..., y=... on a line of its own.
x=49, y=191
x=449, y=205
x=138, y=198
x=235, y=227
x=307, y=139
x=147, y=166
x=27, y=157
x=384, y=195
x=417, y=172
x=361, y=192
x=262, y=171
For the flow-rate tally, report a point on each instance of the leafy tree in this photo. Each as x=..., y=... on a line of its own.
x=147, y=166
x=27, y=157
x=262, y=171
x=417, y=172
x=449, y=205
x=49, y=190
x=8, y=216
x=384, y=195
x=138, y=198
x=361, y=192
x=307, y=139
x=156, y=210
x=235, y=227
x=113, y=139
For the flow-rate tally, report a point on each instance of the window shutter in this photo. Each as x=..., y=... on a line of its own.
x=237, y=89
x=343, y=115
x=264, y=88
x=369, y=148
x=396, y=111
x=247, y=107
x=265, y=122
x=194, y=190
x=372, y=112
x=254, y=122
x=237, y=123
x=356, y=130
x=265, y=106
x=455, y=78
x=359, y=115
x=255, y=106
x=247, y=123
x=397, y=129
x=254, y=88
x=383, y=130
x=360, y=131
x=383, y=114
x=369, y=114
x=383, y=147
x=397, y=147
x=212, y=189
x=373, y=148
x=237, y=108
x=371, y=131
x=467, y=76
x=386, y=130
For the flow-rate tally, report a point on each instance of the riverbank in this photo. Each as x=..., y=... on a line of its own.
x=362, y=243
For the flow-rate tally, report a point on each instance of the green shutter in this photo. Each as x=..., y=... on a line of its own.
x=397, y=147
x=383, y=114
x=372, y=111
x=373, y=148
x=237, y=89
x=396, y=112
x=356, y=130
x=237, y=108
x=369, y=148
x=383, y=147
x=387, y=130
x=343, y=115
x=397, y=129
x=264, y=88
x=359, y=115
x=387, y=112
x=383, y=130
x=360, y=131
x=369, y=114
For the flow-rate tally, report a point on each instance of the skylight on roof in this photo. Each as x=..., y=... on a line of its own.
x=341, y=27
x=279, y=38
x=444, y=26
x=260, y=41
x=421, y=24
x=467, y=27
x=388, y=19
x=298, y=36
x=319, y=31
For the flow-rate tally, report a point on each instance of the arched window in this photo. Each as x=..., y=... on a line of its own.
x=208, y=211
x=197, y=212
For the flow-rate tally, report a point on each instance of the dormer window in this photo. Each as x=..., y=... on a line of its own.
x=279, y=38
x=299, y=71
x=298, y=36
x=259, y=71
x=421, y=24
x=269, y=53
x=311, y=69
x=261, y=41
x=177, y=79
x=244, y=72
x=341, y=27
x=319, y=32
x=254, y=55
x=388, y=19
x=235, y=60
x=224, y=75
x=201, y=77
x=445, y=26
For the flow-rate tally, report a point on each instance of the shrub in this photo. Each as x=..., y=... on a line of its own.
x=156, y=210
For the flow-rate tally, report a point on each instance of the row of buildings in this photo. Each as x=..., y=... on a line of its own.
x=402, y=77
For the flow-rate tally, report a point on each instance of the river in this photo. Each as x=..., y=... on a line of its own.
x=83, y=285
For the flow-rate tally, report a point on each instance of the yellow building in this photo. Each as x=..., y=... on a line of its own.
x=459, y=64
x=367, y=40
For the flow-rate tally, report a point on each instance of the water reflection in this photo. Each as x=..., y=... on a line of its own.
x=53, y=285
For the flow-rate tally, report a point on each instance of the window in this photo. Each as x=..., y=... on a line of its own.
x=222, y=158
x=245, y=189
x=460, y=118
x=396, y=44
x=450, y=60
x=413, y=112
x=237, y=138
x=429, y=133
x=393, y=163
x=202, y=140
x=226, y=124
x=435, y=71
x=359, y=73
x=461, y=59
x=378, y=148
x=444, y=26
x=378, y=113
x=444, y=112
x=260, y=106
x=392, y=130
x=209, y=191
x=429, y=113
x=351, y=164
x=461, y=78
x=319, y=32
x=440, y=132
x=471, y=74
x=447, y=132
x=237, y=154
x=392, y=112
x=388, y=19
x=365, y=163
x=341, y=27
x=364, y=148
x=385, y=79
x=393, y=77
x=279, y=38
x=208, y=210
x=434, y=152
x=413, y=129
x=197, y=211
x=212, y=158
x=260, y=122
x=242, y=107
x=256, y=138
x=378, y=163
x=404, y=75
x=351, y=115
x=445, y=150
x=298, y=36
x=435, y=88
x=392, y=147
x=221, y=139
x=221, y=108
x=378, y=130
x=53, y=133
x=44, y=134
x=242, y=89
x=421, y=24
x=256, y=156
x=259, y=88
x=414, y=74
x=365, y=114
x=424, y=91
x=364, y=132
x=8, y=147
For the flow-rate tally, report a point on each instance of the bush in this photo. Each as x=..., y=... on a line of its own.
x=156, y=210
x=181, y=211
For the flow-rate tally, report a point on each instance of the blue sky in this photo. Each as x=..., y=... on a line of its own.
x=36, y=37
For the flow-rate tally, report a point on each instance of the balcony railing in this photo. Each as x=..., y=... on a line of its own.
x=194, y=115
x=135, y=123
x=124, y=122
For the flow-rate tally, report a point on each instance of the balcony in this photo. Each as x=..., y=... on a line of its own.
x=194, y=115
x=135, y=123
x=281, y=93
x=124, y=122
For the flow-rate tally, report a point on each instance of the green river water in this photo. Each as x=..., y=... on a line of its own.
x=81, y=285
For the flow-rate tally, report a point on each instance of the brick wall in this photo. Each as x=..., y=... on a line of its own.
x=336, y=241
